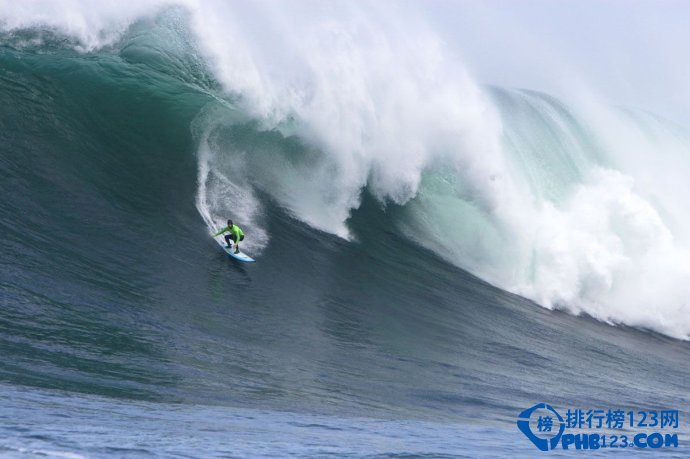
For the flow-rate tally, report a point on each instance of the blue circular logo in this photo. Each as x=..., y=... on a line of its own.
x=542, y=425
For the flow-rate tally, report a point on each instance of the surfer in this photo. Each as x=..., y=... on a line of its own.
x=236, y=235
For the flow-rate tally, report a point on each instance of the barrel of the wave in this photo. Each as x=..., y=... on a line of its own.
x=232, y=242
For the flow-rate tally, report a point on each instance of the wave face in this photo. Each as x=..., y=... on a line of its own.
x=406, y=220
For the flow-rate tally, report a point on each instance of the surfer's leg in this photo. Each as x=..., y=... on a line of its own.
x=228, y=238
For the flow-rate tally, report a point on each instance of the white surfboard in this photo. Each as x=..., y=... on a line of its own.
x=243, y=257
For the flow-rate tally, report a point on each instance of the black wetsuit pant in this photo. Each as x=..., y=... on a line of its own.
x=233, y=238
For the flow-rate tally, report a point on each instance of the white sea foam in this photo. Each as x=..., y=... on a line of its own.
x=92, y=23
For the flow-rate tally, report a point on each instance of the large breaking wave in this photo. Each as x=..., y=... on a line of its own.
x=574, y=205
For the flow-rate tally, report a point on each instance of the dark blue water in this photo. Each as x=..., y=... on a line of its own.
x=126, y=331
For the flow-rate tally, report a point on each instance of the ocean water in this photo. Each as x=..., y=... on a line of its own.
x=434, y=255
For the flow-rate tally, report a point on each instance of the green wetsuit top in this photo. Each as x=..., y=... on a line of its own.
x=234, y=230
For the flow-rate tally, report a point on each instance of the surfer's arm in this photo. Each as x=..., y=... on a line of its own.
x=221, y=231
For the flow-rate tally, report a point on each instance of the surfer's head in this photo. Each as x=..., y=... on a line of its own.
x=229, y=223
